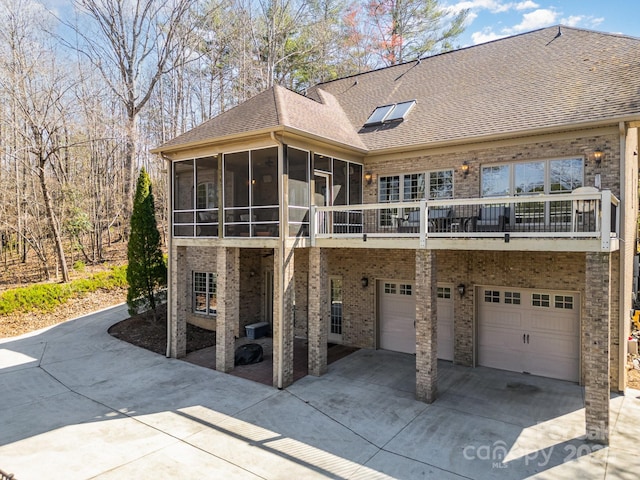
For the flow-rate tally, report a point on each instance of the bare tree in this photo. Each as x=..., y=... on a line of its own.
x=37, y=89
x=132, y=44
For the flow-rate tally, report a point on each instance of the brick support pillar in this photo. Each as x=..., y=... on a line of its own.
x=426, y=327
x=283, y=317
x=595, y=342
x=319, y=311
x=228, y=315
x=176, y=309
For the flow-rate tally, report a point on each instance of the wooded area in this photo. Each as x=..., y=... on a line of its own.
x=89, y=88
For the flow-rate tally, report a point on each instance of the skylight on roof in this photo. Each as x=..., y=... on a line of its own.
x=396, y=112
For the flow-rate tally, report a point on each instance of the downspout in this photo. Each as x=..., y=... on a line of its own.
x=281, y=260
x=169, y=207
x=624, y=312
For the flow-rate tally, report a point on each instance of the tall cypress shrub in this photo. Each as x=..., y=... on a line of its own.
x=147, y=271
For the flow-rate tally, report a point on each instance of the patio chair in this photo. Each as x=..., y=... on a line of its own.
x=492, y=218
x=585, y=218
x=410, y=223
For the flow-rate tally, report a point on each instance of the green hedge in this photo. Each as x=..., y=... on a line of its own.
x=46, y=297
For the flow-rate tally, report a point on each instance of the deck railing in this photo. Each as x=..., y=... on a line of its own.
x=573, y=215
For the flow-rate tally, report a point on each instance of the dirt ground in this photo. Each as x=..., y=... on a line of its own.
x=142, y=330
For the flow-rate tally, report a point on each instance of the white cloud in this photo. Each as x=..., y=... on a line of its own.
x=572, y=21
x=494, y=6
x=540, y=18
x=470, y=18
x=528, y=5
x=486, y=35
x=582, y=21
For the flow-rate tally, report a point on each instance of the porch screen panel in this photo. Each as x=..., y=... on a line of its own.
x=298, y=169
x=236, y=194
x=183, y=199
x=322, y=162
x=355, y=184
x=340, y=185
x=207, y=196
x=264, y=192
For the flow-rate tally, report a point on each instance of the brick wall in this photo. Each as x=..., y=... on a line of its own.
x=596, y=346
x=469, y=186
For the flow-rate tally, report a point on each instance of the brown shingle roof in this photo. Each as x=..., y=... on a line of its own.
x=276, y=107
x=527, y=82
x=530, y=81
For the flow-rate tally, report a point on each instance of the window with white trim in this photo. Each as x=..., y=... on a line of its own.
x=205, y=299
x=541, y=300
x=406, y=289
x=390, y=288
x=336, y=305
x=512, y=298
x=492, y=296
x=409, y=187
x=444, y=292
x=563, y=301
x=555, y=176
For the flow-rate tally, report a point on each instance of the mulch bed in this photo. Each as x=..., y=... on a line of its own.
x=142, y=330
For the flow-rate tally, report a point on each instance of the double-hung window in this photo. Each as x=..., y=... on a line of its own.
x=205, y=300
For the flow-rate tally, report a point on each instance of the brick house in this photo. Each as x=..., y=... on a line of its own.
x=477, y=206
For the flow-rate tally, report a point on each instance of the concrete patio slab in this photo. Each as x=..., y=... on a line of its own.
x=79, y=404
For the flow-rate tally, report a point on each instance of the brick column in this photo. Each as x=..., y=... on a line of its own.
x=283, y=316
x=178, y=298
x=228, y=293
x=595, y=344
x=319, y=311
x=426, y=327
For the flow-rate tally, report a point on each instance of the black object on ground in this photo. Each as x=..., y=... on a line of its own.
x=248, y=354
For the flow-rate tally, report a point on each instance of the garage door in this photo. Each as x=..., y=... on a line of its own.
x=397, y=318
x=445, y=322
x=533, y=331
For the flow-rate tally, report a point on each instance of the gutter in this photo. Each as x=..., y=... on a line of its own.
x=281, y=262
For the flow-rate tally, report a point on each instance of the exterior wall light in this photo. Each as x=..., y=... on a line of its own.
x=364, y=281
x=598, y=154
x=465, y=168
x=368, y=177
x=461, y=289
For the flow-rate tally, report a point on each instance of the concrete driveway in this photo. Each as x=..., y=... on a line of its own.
x=77, y=404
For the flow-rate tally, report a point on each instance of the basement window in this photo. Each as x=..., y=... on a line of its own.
x=396, y=112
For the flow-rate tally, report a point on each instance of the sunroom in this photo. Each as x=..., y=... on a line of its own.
x=248, y=206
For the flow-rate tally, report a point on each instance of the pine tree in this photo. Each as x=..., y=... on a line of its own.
x=147, y=271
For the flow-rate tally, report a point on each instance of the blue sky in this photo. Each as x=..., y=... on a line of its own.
x=492, y=19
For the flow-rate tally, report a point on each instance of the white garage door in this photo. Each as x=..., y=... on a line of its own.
x=531, y=331
x=445, y=322
x=398, y=313
x=397, y=316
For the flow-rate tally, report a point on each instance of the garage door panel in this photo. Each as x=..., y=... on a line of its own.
x=553, y=366
x=497, y=318
x=552, y=345
x=554, y=323
x=528, y=337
